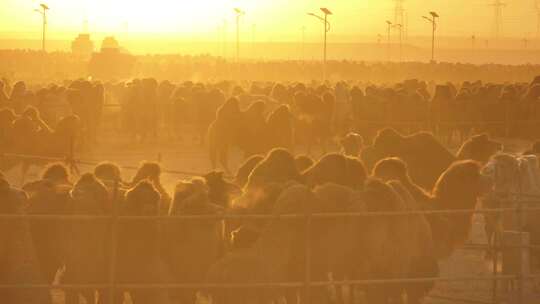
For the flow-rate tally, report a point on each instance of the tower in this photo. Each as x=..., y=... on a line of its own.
x=399, y=15
x=498, y=7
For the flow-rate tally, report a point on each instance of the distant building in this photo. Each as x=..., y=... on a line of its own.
x=82, y=46
x=112, y=62
x=110, y=44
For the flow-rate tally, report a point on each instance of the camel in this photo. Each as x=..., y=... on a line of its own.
x=18, y=257
x=192, y=246
x=87, y=251
x=426, y=157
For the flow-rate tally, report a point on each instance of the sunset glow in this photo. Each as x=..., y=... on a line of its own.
x=274, y=19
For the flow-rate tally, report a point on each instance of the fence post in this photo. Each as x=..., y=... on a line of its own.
x=520, y=280
x=506, y=120
x=307, y=278
x=70, y=161
x=113, y=244
x=496, y=242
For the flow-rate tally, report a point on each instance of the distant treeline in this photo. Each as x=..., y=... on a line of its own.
x=35, y=66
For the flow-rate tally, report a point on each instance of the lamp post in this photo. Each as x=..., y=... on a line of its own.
x=239, y=13
x=43, y=11
x=326, y=25
x=433, y=21
x=388, y=40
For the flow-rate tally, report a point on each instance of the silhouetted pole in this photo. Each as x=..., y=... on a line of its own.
x=253, y=28
x=303, y=43
x=326, y=25
x=473, y=42
x=239, y=13
x=388, y=41
x=224, y=38
x=537, y=7
x=400, y=27
x=43, y=12
x=325, y=32
x=433, y=21
x=433, y=43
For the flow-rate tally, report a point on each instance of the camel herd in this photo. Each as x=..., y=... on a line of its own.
x=256, y=251
x=399, y=169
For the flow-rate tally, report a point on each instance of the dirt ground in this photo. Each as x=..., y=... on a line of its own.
x=193, y=158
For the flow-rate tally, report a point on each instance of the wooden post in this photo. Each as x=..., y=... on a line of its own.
x=307, y=278
x=521, y=249
x=70, y=161
x=113, y=244
x=516, y=258
x=495, y=245
x=506, y=120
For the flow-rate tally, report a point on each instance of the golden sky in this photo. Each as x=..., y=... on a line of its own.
x=274, y=20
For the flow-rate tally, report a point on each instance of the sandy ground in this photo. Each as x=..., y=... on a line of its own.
x=193, y=158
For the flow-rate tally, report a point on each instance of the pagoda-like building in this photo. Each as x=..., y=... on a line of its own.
x=82, y=47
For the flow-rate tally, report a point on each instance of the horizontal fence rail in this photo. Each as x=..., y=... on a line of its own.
x=446, y=123
x=259, y=216
x=72, y=161
x=270, y=285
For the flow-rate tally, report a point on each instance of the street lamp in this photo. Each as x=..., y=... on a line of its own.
x=433, y=21
x=43, y=11
x=388, y=41
x=239, y=13
x=326, y=25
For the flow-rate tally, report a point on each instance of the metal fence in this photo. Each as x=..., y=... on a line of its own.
x=115, y=219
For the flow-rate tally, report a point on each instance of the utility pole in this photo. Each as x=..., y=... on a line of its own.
x=224, y=39
x=537, y=7
x=433, y=21
x=325, y=40
x=303, y=43
x=253, y=29
x=400, y=28
x=239, y=13
x=473, y=42
x=43, y=11
x=389, y=29
x=406, y=27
